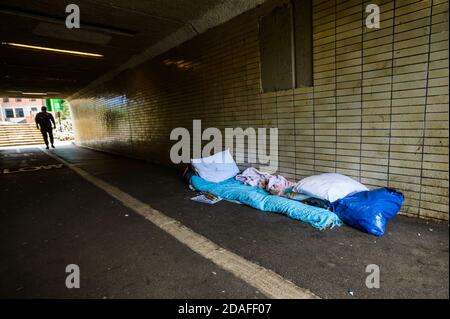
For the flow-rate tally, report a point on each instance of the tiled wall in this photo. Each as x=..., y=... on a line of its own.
x=378, y=110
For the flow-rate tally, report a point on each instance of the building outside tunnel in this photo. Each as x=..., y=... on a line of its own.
x=19, y=110
x=357, y=88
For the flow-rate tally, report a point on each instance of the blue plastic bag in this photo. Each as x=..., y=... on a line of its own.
x=369, y=211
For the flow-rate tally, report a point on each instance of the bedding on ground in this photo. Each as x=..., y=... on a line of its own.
x=324, y=201
x=329, y=186
x=274, y=184
x=216, y=168
x=259, y=198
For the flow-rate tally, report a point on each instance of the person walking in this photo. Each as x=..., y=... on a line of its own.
x=44, y=122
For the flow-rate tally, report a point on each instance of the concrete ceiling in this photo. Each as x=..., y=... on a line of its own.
x=126, y=32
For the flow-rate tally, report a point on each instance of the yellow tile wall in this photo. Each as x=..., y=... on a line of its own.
x=378, y=110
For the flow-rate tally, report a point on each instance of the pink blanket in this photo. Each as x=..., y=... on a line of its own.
x=274, y=184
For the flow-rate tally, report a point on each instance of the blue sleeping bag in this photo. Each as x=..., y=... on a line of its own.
x=258, y=198
x=369, y=211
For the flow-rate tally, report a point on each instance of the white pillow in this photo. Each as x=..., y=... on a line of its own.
x=216, y=168
x=329, y=186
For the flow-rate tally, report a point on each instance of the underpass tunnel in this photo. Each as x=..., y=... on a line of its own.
x=133, y=72
x=138, y=89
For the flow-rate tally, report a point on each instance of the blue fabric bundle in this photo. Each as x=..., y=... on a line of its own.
x=258, y=198
x=369, y=211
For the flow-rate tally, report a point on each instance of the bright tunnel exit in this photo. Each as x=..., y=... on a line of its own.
x=19, y=117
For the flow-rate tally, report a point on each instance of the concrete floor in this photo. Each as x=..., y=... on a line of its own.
x=52, y=217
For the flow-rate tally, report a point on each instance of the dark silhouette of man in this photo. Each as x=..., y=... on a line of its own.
x=44, y=122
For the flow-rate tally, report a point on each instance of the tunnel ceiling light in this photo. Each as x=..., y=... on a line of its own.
x=34, y=47
x=34, y=93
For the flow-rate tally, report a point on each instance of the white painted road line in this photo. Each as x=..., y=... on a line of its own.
x=265, y=280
